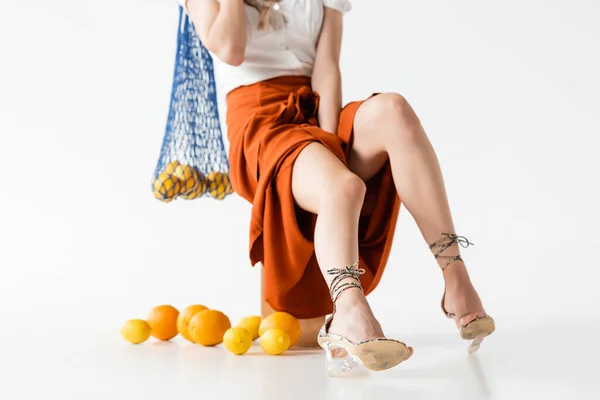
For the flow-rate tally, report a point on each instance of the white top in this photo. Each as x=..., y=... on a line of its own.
x=288, y=51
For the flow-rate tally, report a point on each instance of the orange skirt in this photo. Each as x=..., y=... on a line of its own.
x=269, y=123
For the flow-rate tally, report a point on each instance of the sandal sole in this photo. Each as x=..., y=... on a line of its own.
x=478, y=329
x=379, y=355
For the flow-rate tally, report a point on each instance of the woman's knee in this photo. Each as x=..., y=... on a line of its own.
x=348, y=188
x=391, y=103
x=319, y=177
x=393, y=117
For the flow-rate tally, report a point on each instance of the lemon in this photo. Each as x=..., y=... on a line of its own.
x=251, y=324
x=237, y=340
x=275, y=341
x=219, y=185
x=171, y=167
x=136, y=331
x=188, y=176
x=282, y=320
x=199, y=190
x=166, y=187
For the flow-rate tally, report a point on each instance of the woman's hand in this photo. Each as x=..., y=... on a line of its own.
x=221, y=27
x=327, y=79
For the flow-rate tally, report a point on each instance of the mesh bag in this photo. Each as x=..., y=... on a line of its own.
x=193, y=161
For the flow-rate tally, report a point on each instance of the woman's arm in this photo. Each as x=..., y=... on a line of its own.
x=221, y=27
x=327, y=79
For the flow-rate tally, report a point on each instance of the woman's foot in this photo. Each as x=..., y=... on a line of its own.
x=354, y=319
x=461, y=300
x=461, y=297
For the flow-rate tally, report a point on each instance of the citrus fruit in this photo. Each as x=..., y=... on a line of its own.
x=208, y=327
x=237, y=340
x=163, y=321
x=184, y=319
x=170, y=168
x=136, y=331
x=284, y=321
x=188, y=176
x=275, y=341
x=219, y=185
x=166, y=187
x=251, y=324
x=198, y=191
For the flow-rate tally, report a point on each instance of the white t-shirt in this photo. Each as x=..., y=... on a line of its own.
x=288, y=51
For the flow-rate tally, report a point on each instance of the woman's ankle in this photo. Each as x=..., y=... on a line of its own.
x=351, y=299
x=456, y=275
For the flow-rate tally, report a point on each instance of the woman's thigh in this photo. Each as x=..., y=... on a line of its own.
x=376, y=120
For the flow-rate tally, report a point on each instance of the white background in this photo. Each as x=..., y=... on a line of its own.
x=508, y=92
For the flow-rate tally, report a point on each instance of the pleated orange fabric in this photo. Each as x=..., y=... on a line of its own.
x=268, y=124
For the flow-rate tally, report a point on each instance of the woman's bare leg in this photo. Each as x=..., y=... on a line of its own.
x=323, y=185
x=386, y=126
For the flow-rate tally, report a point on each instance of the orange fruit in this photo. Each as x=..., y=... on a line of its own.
x=219, y=185
x=166, y=187
x=284, y=321
x=208, y=327
x=163, y=321
x=184, y=319
x=188, y=176
x=275, y=341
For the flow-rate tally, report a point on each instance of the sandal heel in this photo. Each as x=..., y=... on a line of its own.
x=473, y=345
x=339, y=361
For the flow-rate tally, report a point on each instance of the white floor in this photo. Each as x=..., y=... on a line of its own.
x=543, y=360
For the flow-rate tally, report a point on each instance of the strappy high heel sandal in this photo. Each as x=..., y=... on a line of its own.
x=342, y=354
x=478, y=329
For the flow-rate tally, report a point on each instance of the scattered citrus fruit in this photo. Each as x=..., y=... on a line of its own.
x=237, y=340
x=171, y=167
x=284, y=321
x=184, y=319
x=136, y=331
x=188, y=176
x=252, y=324
x=166, y=187
x=208, y=327
x=163, y=321
x=275, y=341
x=219, y=185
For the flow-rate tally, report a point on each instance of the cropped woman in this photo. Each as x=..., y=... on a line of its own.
x=326, y=182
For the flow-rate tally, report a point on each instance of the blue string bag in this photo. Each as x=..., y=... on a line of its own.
x=193, y=161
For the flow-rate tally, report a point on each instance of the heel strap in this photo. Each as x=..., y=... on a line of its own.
x=337, y=287
x=444, y=243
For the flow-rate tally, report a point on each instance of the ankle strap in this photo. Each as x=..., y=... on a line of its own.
x=444, y=243
x=351, y=271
